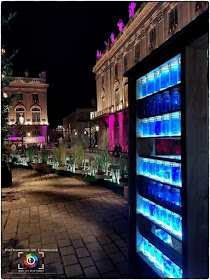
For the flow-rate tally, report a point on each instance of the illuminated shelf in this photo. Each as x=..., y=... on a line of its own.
x=157, y=181
x=159, y=225
x=175, y=137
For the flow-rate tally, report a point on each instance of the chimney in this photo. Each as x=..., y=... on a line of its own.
x=26, y=73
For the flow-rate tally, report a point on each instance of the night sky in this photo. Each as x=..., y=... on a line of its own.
x=61, y=38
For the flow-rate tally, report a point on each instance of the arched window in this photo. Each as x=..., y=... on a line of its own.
x=35, y=115
x=173, y=19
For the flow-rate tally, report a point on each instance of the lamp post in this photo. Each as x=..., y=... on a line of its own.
x=21, y=120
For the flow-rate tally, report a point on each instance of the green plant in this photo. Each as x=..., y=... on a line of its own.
x=44, y=156
x=30, y=153
x=123, y=166
x=78, y=154
x=102, y=162
x=60, y=154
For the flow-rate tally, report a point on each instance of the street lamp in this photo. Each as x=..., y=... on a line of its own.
x=21, y=120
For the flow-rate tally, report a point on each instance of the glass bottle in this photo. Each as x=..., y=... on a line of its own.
x=138, y=89
x=167, y=172
x=143, y=87
x=176, y=224
x=151, y=126
x=158, y=259
x=145, y=166
x=175, y=123
x=145, y=127
x=165, y=105
x=159, y=195
x=146, y=206
x=158, y=214
x=151, y=168
x=138, y=126
x=152, y=210
x=157, y=80
x=158, y=125
x=151, y=252
x=158, y=169
x=144, y=108
x=177, y=272
x=165, y=125
x=151, y=189
x=167, y=266
x=173, y=73
x=145, y=247
x=150, y=106
x=164, y=83
x=175, y=99
x=139, y=202
x=167, y=196
x=176, y=197
x=157, y=105
x=150, y=83
x=176, y=173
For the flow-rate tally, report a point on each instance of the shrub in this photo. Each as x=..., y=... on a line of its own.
x=78, y=154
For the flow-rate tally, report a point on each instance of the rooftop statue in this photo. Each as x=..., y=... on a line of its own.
x=131, y=7
x=112, y=37
x=98, y=54
x=120, y=24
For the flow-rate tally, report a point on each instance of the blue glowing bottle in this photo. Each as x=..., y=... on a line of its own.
x=158, y=169
x=145, y=247
x=143, y=87
x=164, y=83
x=150, y=83
x=173, y=73
x=145, y=127
x=158, y=126
x=157, y=80
x=167, y=172
x=158, y=259
x=139, y=202
x=167, y=266
x=152, y=210
x=151, y=189
x=158, y=214
x=151, y=252
x=150, y=106
x=175, y=123
x=151, y=126
x=157, y=106
x=144, y=108
x=151, y=168
x=165, y=105
x=176, y=197
x=159, y=194
x=145, y=166
x=138, y=89
x=167, y=196
x=175, y=99
x=165, y=125
x=177, y=272
x=146, y=206
x=176, y=224
x=176, y=174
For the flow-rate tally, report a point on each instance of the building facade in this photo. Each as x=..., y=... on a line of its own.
x=28, y=119
x=151, y=26
x=79, y=129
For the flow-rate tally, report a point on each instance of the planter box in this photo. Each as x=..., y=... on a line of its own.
x=100, y=176
x=78, y=171
x=61, y=167
x=44, y=167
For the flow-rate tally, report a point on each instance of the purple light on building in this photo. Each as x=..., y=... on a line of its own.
x=14, y=138
x=98, y=54
x=112, y=37
x=120, y=24
x=111, y=132
x=40, y=138
x=131, y=7
x=106, y=43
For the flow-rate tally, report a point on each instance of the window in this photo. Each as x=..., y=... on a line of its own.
x=125, y=62
x=173, y=20
x=117, y=99
x=20, y=112
x=199, y=5
x=137, y=52
x=116, y=71
x=35, y=115
x=20, y=97
x=35, y=97
x=152, y=37
x=36, y=133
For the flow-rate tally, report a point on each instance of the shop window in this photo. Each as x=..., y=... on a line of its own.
x=35, y=98
x=173, y=20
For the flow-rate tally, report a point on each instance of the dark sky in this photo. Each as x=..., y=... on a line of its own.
x=61, y=38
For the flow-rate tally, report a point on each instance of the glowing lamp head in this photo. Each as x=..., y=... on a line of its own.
x=29, y=134
x=21, y=119
x=97, y=128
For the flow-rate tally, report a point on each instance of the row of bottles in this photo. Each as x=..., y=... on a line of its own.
x=165, y=125
x=161, y=261
x=163, y=236
x=163, y=171
x=164, y=217
x=169, y=100
x=168, y=74
x=161, y=193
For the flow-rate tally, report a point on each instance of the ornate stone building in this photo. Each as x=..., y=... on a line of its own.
x=152, y=25
x=28, y=116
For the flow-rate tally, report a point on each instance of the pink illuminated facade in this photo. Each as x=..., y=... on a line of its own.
x=28, y=118
x=133, y=43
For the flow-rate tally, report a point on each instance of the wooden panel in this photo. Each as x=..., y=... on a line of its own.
x=196, y=156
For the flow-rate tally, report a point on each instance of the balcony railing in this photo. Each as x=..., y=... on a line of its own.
x=25, y=79
x=108, y=110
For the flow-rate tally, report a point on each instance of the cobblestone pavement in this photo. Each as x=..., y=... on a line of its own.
x=82, y=229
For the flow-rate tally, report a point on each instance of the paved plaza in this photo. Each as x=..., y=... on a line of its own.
x=82, y=229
